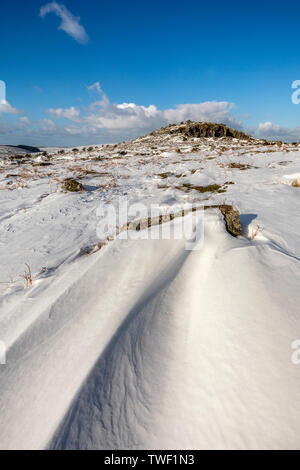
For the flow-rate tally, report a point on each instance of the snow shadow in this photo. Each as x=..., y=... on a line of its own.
x=246, y=220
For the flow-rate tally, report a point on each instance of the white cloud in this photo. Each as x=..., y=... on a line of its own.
x=215, y=111
x=102, y=114
x=106, y=115
x=103, y=102
x=103, y=121
x=267, y=127
x=69, y=23
x=73, y=130
x=72, y=113
x=96, y=86
x=47, y=124
x=25, y=120
x=272, y=131
x=6, y=108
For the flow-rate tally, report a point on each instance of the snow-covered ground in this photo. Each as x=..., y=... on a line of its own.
x=132, y=344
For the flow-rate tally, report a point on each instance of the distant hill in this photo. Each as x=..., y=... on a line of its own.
x=28, y=148
x=17, y=149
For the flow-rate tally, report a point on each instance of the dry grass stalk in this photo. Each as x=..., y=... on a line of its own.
x=296, y=183
x=27, y=277
x=255, y=232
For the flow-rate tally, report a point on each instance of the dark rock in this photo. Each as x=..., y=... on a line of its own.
x=230, y=213
x=203, y=129
x=71, y=185
x=232, y=218
x=209, y=129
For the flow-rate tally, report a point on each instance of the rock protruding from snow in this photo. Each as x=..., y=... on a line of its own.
x=230, y=213
x=204, y=129
x=232, y=219
x=72, y=185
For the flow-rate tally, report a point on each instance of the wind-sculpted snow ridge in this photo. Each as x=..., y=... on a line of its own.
x=152, y=346
x=195, y=364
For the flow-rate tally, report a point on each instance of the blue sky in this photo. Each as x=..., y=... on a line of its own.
x=127, y=67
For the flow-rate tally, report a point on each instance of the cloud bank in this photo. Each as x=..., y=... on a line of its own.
x=272, y=131
x=69, y=23
x=71, y=113
x=102, y=121
x=6, y=108
x=117, y=117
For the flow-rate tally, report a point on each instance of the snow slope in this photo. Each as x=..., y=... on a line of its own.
x=153, y=346
x=144, y=344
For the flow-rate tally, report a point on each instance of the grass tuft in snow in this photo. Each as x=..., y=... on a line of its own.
x=27, y=277
x=296, y=183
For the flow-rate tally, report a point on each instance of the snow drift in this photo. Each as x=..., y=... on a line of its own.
x=146, y=345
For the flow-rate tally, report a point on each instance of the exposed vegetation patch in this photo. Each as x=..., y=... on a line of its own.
x=42, y=164
x=180, y=175
x=20, y=158
x=188, y=187
x=164, y=175
x=211, y=188
x=101, y=158
x=88, y=171
x=241, y=166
